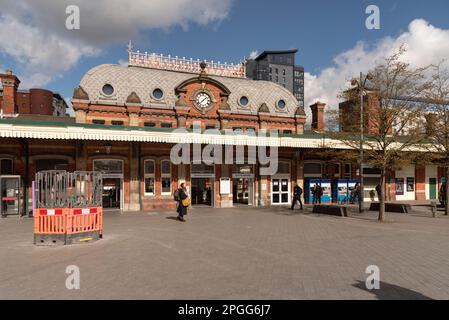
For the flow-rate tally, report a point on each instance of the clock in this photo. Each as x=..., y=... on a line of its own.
x=203, y=100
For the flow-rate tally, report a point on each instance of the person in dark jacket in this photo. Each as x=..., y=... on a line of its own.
x=442, y=195
x=297, y=193
x=315, y=194
x=182, y=195
x=379, y=191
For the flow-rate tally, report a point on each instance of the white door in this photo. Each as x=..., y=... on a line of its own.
x=280, y=191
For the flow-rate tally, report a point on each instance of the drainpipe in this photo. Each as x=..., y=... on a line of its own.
x=26, y=174
x=139, y=174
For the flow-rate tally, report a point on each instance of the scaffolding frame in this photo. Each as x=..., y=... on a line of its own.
x=62, y=189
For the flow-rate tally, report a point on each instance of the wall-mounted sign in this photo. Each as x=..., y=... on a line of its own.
x=202, y=175
x=399, y=186
x=410, y=184
x=243, y=176
x=225, y=185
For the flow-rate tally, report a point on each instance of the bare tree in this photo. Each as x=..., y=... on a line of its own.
x=437, y=98
x=393, y=122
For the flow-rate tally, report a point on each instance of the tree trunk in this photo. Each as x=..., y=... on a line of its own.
x=382, y=197
x=446, y=194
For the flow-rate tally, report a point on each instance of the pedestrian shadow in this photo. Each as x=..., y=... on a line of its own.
x=172, y=218
x=389, y=291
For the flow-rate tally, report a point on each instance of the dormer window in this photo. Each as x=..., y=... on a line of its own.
x=244, y=101
x=108, y=90
x=157, y=94
x=281, y=104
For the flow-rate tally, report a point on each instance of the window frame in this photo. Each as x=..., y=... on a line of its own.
x=103, y=90
x=149, y=176
x=166, y=176
x=154, y=96
x=12, y=166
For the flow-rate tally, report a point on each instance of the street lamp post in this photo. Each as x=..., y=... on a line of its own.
x=361, y=87
x=361, y=195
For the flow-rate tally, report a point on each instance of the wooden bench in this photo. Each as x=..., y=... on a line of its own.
x=332, y=210
x=392, y=207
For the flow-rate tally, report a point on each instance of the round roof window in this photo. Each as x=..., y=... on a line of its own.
x=281, y=104
x=158, y=94
x=244, y=101
x=108, y=90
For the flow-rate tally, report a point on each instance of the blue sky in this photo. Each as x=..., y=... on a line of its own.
x=320, y=29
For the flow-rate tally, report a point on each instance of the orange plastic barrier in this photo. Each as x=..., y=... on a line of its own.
x=67, y=225
x=50, y=221
x=85, y=220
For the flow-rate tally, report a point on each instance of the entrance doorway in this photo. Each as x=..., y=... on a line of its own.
x=280, y=191
x=10, y=190
x=202, y=191
x=432, y=188
x=112, y=193
x=243, y=191
x=112, y=171
x=243, y=185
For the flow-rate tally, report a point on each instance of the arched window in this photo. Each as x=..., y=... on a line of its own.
x=51, y=164
x=313, y=170
x=6, y=166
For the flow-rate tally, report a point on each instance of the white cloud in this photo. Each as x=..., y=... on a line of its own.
x=253, y=55
x=69, y=110
x=33, y=33
x=425, y=45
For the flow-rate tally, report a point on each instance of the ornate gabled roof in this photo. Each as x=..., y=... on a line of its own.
x=133, y=98
x=300, y=112
x=263, y=108
x=143, y=81
x=80, y=94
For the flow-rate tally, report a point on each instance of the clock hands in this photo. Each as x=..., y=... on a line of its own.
x=203, y=100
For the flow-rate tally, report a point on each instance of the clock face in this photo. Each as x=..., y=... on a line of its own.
x=203, y=100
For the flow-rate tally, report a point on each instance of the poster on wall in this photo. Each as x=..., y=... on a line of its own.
x=311, y=186
x=399, y=186
x=410, y=184
x=225, y=185
x=327, y=191
x=351, y=187
x=342, y=191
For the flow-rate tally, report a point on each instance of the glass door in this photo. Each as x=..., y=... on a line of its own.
x=432, y=188
x=10, y=190
x=280, y=191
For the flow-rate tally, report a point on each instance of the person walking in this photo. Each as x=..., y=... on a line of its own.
x=316, y=193
x=183, y=202
x=356, y=193
x=320, y=193
x=297, y=193
x=442, y=195
x=379, y=191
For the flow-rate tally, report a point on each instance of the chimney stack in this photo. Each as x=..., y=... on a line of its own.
x=10, y=84
x=318, y=116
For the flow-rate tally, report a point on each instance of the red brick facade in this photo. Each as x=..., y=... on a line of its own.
x=28, y=102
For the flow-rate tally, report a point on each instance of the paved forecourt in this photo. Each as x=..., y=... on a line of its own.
x=240, y=253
